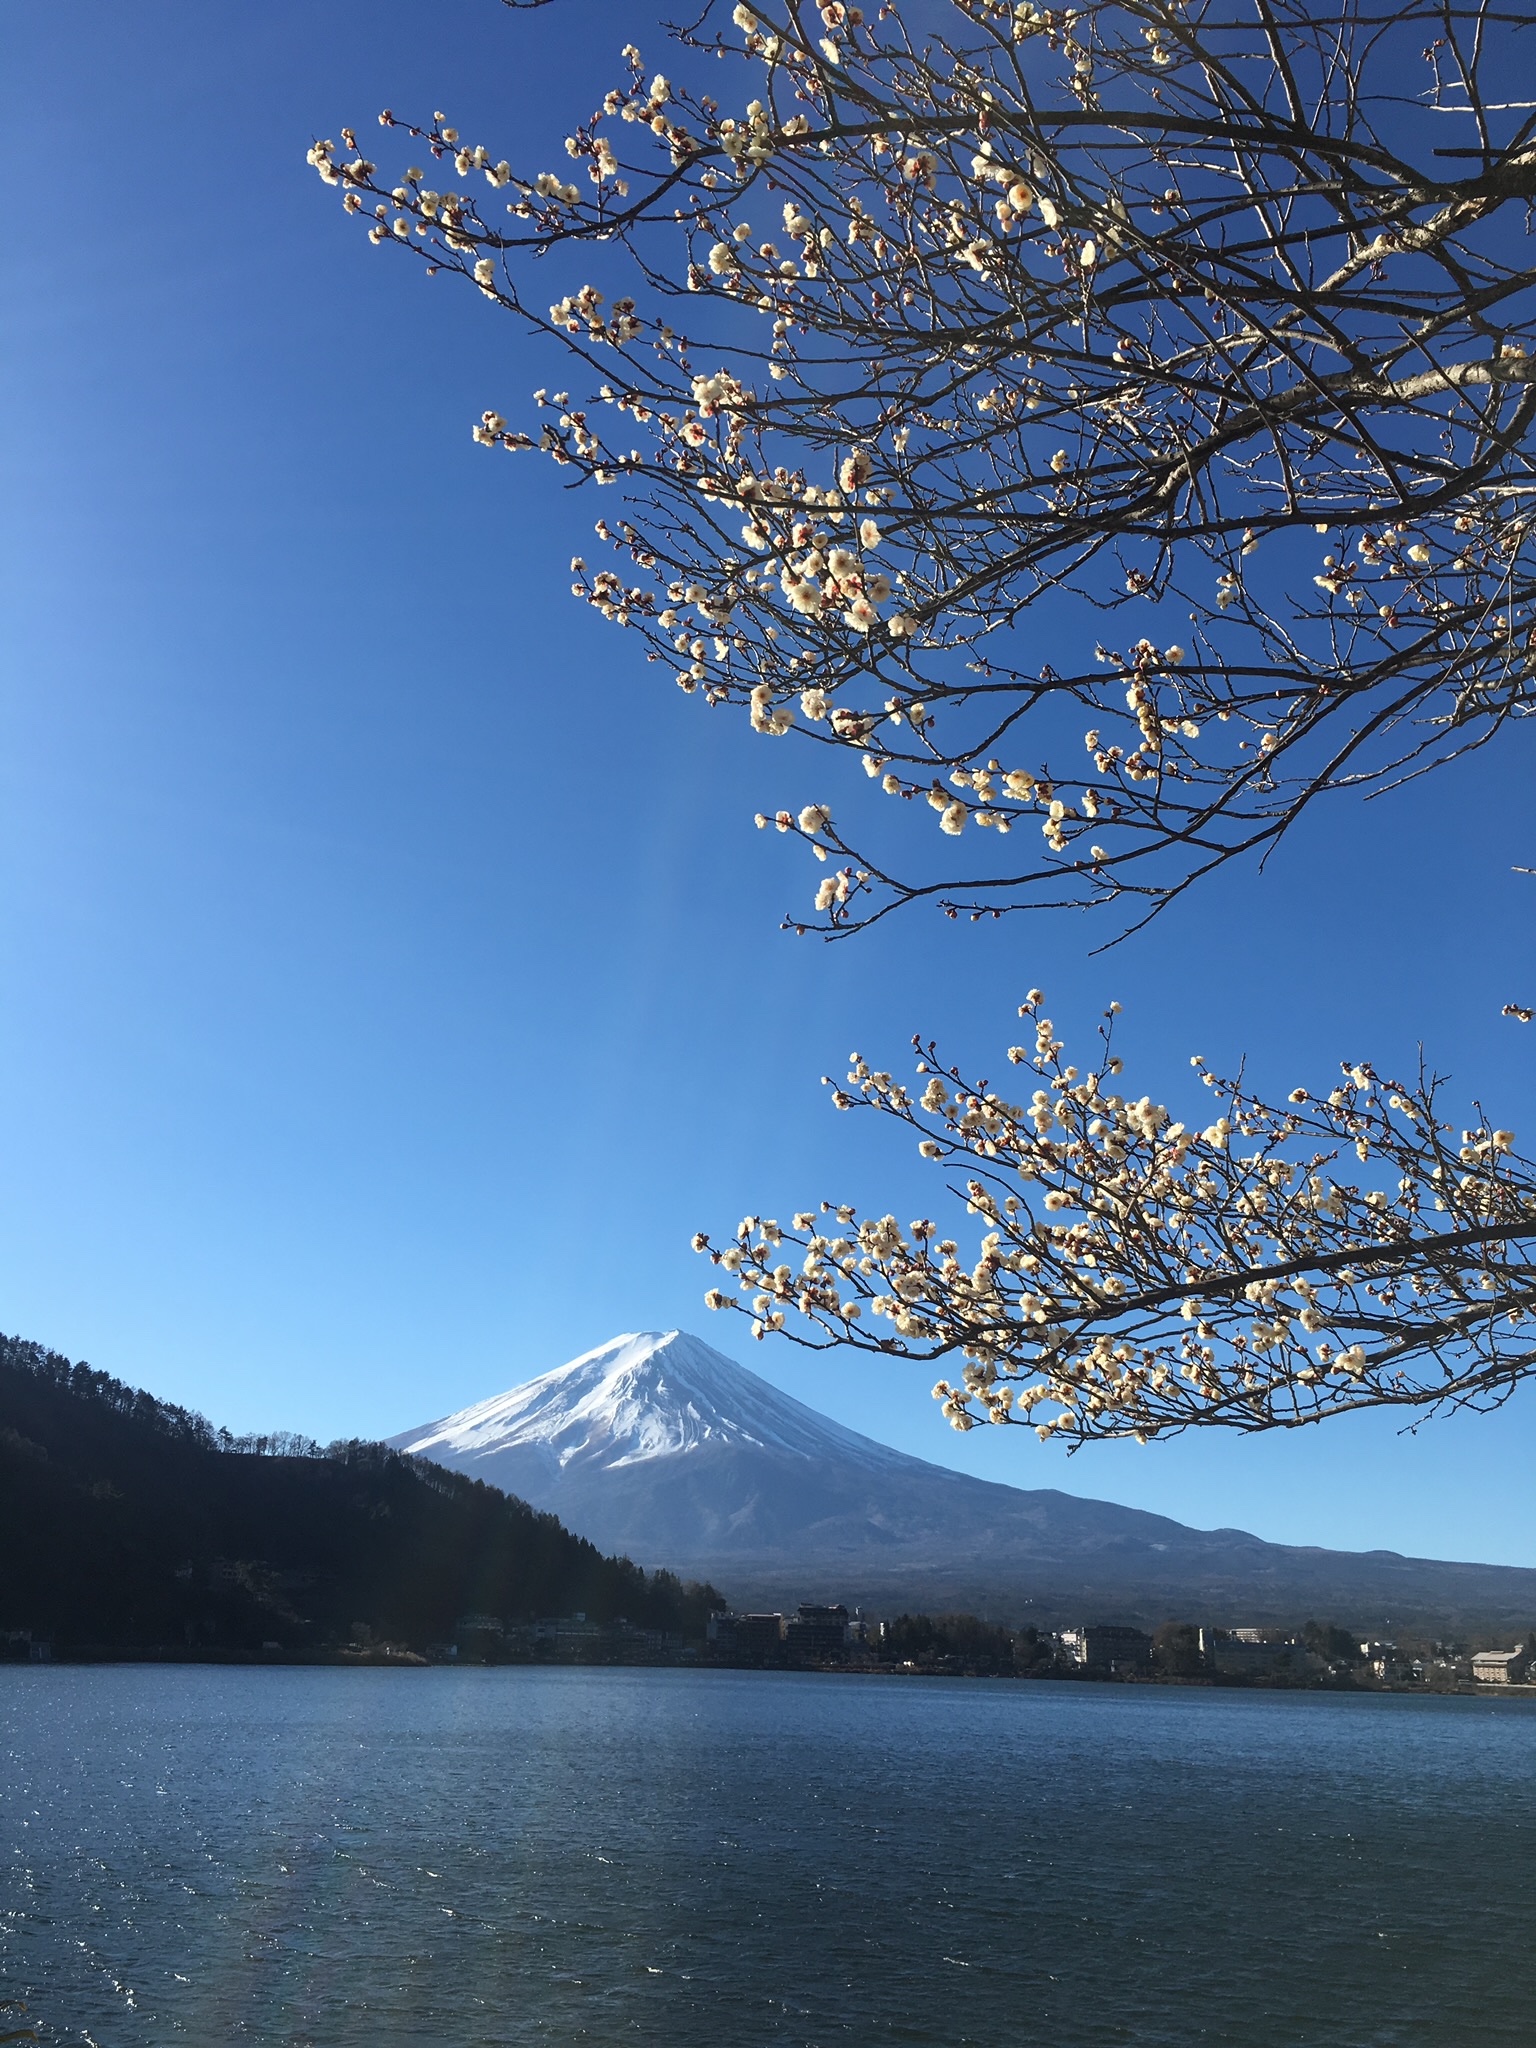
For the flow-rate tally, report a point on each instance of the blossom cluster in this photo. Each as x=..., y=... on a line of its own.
x=1134, y=1274
x=951, y=354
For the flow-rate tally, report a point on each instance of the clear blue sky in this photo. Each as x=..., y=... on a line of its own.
x=391, y=972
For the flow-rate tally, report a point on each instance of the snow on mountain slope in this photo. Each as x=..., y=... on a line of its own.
x=646, y=1395
x=657, y=1446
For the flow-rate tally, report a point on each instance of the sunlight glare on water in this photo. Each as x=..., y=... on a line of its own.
x=702, y=1859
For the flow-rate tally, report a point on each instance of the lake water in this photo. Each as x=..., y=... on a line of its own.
x=705, y=1859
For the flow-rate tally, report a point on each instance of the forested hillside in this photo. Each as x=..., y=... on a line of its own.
x=127, y=1523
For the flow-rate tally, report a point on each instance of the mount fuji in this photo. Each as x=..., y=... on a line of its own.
x=658, y=1446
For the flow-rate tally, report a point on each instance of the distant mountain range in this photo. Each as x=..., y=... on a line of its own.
x=659, y=1447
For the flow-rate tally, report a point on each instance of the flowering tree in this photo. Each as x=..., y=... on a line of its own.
x=1204, y=322
x=1201, y=324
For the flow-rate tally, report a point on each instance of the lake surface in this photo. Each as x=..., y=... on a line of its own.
x=702, y=1859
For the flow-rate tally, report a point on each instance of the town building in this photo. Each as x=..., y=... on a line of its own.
x=19, y=1645
x=746, y=1635
x=1110, y=1650
x=466, y=1625
x=815, y=1631
x=1500, y=1667
x=1237, y=1653
x=1251, y=1653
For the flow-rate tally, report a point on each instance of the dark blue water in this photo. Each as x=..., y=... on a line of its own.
x=712, y=1860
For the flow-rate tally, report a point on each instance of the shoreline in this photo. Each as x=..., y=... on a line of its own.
x=382, y=1658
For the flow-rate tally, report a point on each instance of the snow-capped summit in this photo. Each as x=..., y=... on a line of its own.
x=658, y=1446
x=651, y=1394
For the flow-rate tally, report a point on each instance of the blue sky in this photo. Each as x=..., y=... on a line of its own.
x=392, y=974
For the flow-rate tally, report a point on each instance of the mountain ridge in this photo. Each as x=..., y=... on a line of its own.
x=130, y=1525
x=658, y=1446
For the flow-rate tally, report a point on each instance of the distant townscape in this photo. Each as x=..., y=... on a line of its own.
x=822, y=1637
x=1317, y=1654
x=828, y=1637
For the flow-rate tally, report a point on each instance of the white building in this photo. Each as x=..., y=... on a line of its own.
x=1500, y=1667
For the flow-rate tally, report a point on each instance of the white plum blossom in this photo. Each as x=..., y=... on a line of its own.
x=1134, y=1277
